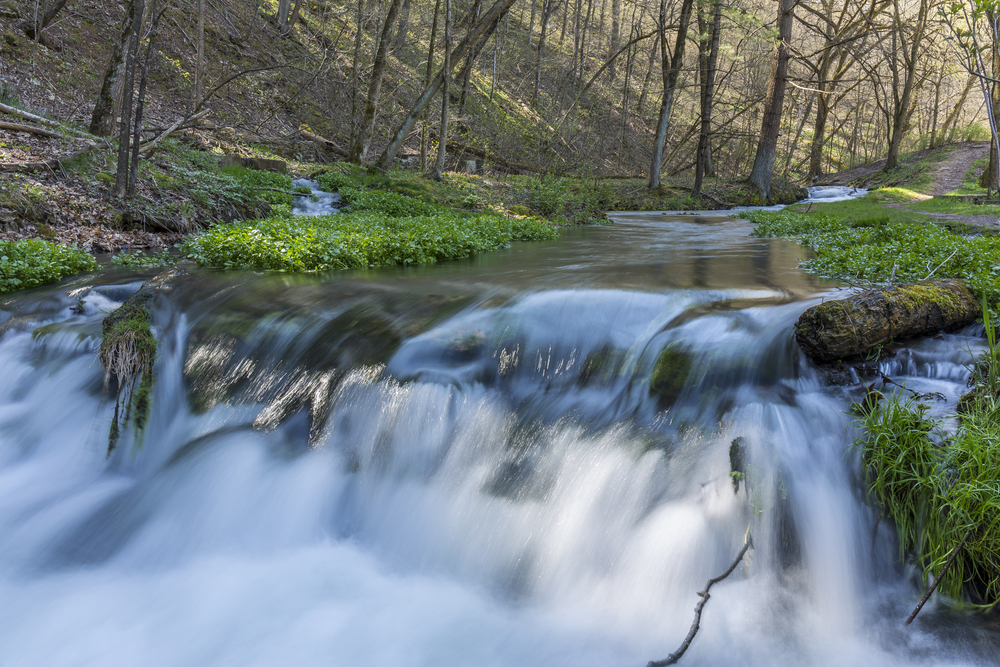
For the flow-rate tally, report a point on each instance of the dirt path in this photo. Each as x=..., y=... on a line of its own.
x=950, y=174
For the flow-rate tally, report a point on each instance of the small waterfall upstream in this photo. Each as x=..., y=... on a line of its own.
x=456, y=465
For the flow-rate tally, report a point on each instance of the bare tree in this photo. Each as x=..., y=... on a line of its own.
x=671, y=72
x=479, y=32
x=445, y=96
x=102, y=120
x=904, y=82
x=763, y=165
x=708, y=67
x=364, y=138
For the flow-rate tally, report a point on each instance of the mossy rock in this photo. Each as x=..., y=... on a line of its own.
x=670, y=372
x=602, y=366
x=845, y=328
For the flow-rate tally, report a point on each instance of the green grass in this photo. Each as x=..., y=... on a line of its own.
x=30, y=262
x=953, y=206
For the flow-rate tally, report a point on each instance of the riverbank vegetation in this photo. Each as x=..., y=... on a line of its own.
x=31, y=262
x=939, y=485
x=367, y=238
x=861, y=242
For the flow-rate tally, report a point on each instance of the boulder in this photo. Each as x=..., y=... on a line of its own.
x=844, y=328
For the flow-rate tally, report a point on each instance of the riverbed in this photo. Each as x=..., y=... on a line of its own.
x=459, y=464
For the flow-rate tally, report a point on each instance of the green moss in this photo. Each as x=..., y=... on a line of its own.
x=127, y=352
x=670, y=372
x=602, y=366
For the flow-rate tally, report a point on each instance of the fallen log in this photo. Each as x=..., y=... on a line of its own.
x=322, y=142
x=845, y=328
x=42, y=132
x=495, y=159
x=53, y=164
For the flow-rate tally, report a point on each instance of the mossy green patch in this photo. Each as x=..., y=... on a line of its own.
x=670, y=372
x=127, y=352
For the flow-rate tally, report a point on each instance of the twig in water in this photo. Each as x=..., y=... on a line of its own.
x=937, y=580
x=941, y=264
x=696, y=625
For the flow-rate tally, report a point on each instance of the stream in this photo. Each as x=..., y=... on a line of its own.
x=459, y=464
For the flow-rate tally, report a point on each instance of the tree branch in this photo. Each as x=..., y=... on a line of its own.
x=696, y=625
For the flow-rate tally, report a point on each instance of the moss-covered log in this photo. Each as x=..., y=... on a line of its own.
x=845, y=328
x=127, y=352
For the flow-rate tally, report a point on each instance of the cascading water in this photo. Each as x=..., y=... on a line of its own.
x=456, y=465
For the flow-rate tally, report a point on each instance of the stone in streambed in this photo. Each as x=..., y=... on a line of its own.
x=844, y=328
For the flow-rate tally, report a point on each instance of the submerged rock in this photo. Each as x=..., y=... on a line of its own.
x=844, y=328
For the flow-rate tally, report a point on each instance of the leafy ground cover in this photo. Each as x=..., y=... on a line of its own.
x=32, y=262
x=363, y=239
x=861, y=242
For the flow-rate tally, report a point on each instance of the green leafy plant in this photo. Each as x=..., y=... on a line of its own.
x=140, y=260
x=31, y=262
x=357, y=240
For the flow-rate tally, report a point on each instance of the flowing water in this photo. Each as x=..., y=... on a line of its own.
x=458, y=465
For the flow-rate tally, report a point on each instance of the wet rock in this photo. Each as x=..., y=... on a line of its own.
x=844, y=328
x=670, y=373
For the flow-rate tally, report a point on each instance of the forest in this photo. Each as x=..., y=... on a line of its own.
x=602, y=89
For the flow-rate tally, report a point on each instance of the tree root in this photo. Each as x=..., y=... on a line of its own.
x=696, y=625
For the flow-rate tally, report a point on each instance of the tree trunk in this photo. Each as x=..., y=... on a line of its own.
x=548, y=8
x=467, y=70
x=359, y=151
x=901, y=108
x=102, y=120
x=484, y=28
x=141, y=103
x=763, y=164
x=616, y=12
x=199, y=68
x=356, y=76
x=424, y=139
x=671, y=72
x=286, y=26
x=445, y=96
x=404, y=24
x=34, y=29
x=121, y=174
x=702, y=160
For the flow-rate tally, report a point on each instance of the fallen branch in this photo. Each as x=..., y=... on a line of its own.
x=150, y=147
x=937, y=580
x=53, y=164
x=30, y=116
x=322, y=142
x=496, y=159
x=30, y=129
x=696, y=625
x=45, y=121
